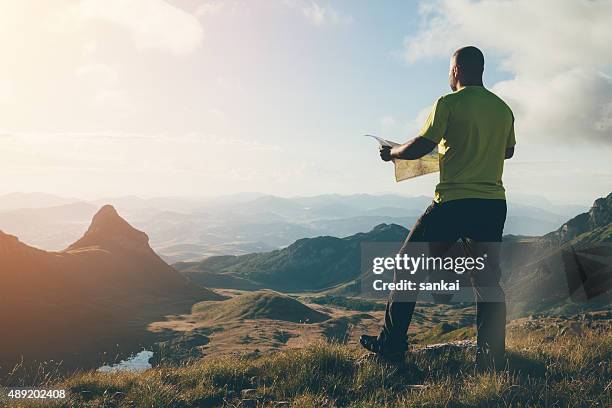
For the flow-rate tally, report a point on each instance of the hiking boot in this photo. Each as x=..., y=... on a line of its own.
x=375, y=345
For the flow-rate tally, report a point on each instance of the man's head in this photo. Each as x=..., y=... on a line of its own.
x=466, y=67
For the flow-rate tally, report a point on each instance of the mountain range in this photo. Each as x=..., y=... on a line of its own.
x=188, y=229
x=536, y=271
x=96, y=296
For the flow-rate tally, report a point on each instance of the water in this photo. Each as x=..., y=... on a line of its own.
x=137, y=362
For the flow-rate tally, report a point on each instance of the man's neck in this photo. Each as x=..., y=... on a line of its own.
x=460, y=86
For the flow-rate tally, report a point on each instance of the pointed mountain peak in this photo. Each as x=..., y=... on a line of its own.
x=107, y=216
x=107, y=209
x=108, y=228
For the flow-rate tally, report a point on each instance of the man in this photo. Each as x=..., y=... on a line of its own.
x=474, y=131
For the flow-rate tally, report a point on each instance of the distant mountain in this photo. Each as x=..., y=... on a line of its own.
x=52, y=228
x=102, y=291
x=307, y=264
x=190, y=229
x=14, y=201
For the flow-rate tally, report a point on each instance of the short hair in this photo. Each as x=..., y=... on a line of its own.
x=470, y=60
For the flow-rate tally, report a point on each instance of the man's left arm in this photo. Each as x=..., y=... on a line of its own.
x=411, y=150
x=429, y=136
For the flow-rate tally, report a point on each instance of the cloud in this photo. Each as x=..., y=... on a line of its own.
x=102, y=78
x=557, y=52
x=102, y=74
x=153, y=24
x=320, y=15
x=209, y=8
x=128, y=152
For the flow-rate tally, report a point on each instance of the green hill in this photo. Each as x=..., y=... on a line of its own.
x=307, y=264
x=259, y=305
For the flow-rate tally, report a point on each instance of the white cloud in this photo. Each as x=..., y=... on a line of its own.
x=102, y=79
x=319, y=14
x=219, y=114
x=102, y=74
x=7, y=91
x=557, y=51
x=153, y=24
x=208, y=8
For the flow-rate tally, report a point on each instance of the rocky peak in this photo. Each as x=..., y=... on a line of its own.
x=598, y=216
x=109, y=229
x=601, y=213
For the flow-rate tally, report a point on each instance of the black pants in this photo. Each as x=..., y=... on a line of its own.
x=441, y=225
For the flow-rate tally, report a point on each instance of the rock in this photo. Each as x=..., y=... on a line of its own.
x=249, y=393
x=441, y=348
x=416, y=387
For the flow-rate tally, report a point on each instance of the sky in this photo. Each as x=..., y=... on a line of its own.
x=200, y=98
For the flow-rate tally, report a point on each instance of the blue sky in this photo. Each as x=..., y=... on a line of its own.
x=202, y=97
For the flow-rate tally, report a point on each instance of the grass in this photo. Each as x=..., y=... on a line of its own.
x=546, y=369
x=358, y=304
x=445, y=332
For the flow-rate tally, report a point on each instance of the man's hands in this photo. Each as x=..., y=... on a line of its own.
x=385, y=153
x=411, y=150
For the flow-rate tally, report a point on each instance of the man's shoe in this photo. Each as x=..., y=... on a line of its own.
x=374, y=345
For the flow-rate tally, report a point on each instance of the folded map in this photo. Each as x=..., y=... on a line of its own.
x=407, y=169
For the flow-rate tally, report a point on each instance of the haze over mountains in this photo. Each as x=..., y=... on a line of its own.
x=96, y=296
x=536, y=269
x=184, y=229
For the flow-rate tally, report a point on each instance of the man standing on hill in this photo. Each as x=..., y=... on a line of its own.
x=474, y=131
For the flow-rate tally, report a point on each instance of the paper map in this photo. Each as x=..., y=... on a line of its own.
x=407, y=169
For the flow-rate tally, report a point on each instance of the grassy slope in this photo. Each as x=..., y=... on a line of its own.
x=548, y=369
x=265, y=304
x=307, y=264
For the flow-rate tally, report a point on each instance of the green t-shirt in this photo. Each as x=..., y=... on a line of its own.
x=473, y=127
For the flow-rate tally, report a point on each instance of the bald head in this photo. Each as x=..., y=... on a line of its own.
x=466, y=67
